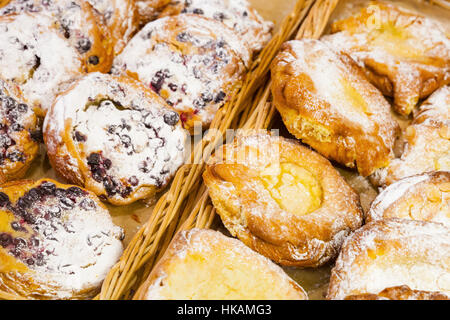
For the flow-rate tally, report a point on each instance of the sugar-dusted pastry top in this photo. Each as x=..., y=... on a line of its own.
x=78, y=22
x=56, y=241
x=19, y=132
x=400, y=293
x=115, y=137
x=206, y=265
x=149, y=10
x=193, y=62
x=405, y=55
x=282, y=199
x=235, y=14
x=390, y=253
x=36, y=57
x=427, y=142
x=325, y=100
x=421, y=197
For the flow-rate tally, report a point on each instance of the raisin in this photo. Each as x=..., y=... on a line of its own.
x=183, y=37
x=220, y=97
x=94, y=159
x=5, y=240
x=9, y=103
x=107, y=164
x=93, y=60
x=78, y=136
x=16, y=226
x=87, y=204
x=4, y=199
x=133, y=181
x=48, y=188
x=171, y=118
x=67, y=203
x=198, y=11
x=22, y=107
x=84, y=45
x=54, y=211
x=173, y=87
x=75, y=191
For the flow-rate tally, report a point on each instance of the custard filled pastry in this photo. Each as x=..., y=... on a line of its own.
x=114, y=137
x=400, y=293
x=392, y=253
x=422, y=197
x=192, y=62
x=282, y=199
x=56, y=241
x=405, y=55
x=325, y=100
x=235, y=14
x=36, y=57
x=78, y=22
x=204, y=264
x=19, y=133
x=427, y=139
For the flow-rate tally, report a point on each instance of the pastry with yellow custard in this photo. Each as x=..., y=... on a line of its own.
x=282, y=199
x=407, y=56
x=393, y=253
x=56, y=241
x=203, y=264
x=325, y=100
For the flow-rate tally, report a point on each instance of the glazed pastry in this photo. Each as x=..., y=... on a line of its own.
x=114, y=137
x=56, y=241
x=325, y=100
x=400, y=293
x=405, y=55
x=78, y=22
x=193, y=62
x=422, y=197
x=282, y=199
x=391, y=253
x=19, y=133
x=149, y=10
x=206, y=265
x=37, y=58
x=235, y=14
x=427, y=142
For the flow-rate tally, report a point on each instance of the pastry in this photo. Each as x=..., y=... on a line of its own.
x=400, y=293
x=36, y=57
x=149, y=10
x=427, y=142
x=407, y=56
x=19, y=133
x=193, y=62
x=206, y=265
x=422, y=197
x=392, y=253
x=282, y=199
x=114, y=137
x=78, y=22
x=325, y=100
x=235, y=14
x=56, y=241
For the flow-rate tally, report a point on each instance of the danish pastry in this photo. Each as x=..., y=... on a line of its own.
x=405, y=55
x=427, y=142
x=193, y=62
x=56, y=241
x=400, y=293
x=391, y=253
x=236, y=14
x=115, y=137
x=36, y=57
x=325, y=100
x=282, y=199
x=78, y=22
x=206, y=265
x=19, y=133
x=422, y=197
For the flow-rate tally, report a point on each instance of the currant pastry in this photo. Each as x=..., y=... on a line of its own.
x=235, y=14
x=37, y=58
x=325, y=100
x=188, y=62
x=427, y=146
x=407, y=56
x=56, y=241
x=393, y=253
x=282, y=199
x=78, y=22
x=19, y=133
x=206, y=265
x=115, y=137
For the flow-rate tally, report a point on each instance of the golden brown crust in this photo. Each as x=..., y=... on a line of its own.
x=282, y=199
x=149, y=10
x=325, y=100
x=400, y=293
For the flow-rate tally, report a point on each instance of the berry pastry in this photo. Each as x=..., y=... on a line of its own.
x=19, y=133
x=325, y=100
x=35, y=56
x=206, y=265
x=56, y=241
x=407, y=56
x=193, y=62
x=114, y=137
x=282, y=199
